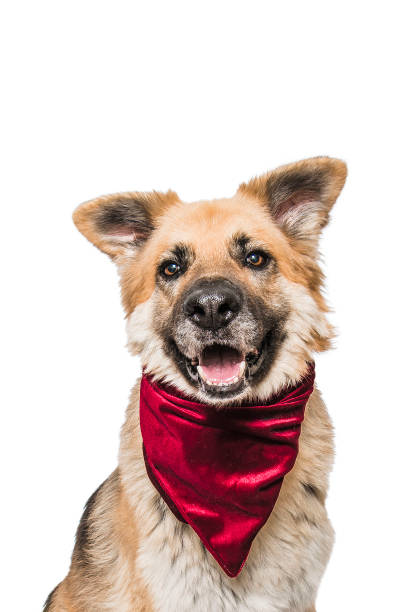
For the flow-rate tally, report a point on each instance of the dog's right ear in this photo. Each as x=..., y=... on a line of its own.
x=122, y=222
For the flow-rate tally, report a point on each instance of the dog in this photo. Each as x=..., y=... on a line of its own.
x=224, y=307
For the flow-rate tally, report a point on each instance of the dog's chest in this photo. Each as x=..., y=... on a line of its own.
x=282, y=572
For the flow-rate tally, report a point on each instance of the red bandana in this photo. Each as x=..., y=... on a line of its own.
x=221, y=470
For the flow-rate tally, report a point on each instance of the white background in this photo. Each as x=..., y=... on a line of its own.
x=196, y=96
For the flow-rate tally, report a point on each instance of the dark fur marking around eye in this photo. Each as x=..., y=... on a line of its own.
x=241, y=245
x=124, y=214
x=182, y=254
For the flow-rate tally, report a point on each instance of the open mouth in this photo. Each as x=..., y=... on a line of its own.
x=222, y=370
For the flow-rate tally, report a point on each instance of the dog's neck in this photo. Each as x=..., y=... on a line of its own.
x=221, y=470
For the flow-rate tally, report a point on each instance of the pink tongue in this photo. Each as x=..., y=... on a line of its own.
x=220, y=364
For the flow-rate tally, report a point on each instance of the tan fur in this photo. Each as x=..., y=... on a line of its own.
x=132, y=554
x=336, y=169
x=208, y=225
x=113, y=550
x=312, y=466
x=136, y=502
x=83, y=215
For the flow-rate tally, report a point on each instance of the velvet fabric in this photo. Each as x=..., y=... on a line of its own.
x=221, y=470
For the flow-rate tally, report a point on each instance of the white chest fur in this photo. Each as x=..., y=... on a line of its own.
x=282, y=572
x=287, y=558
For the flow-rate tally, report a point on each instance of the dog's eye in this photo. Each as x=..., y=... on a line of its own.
x=256, y=259
x=170, y=268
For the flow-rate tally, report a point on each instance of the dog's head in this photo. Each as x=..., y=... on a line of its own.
x=223, y=297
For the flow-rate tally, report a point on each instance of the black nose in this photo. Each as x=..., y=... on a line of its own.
x=213, y=304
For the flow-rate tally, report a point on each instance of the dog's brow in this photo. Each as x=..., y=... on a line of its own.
x=240, y=242
x=181, y=252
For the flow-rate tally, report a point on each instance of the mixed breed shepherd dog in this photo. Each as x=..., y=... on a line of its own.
x=218, y=501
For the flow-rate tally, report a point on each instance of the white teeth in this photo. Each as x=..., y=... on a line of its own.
x=214, y=383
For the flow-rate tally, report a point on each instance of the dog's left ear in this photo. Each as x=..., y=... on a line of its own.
x=121, y=223
x=300, y=196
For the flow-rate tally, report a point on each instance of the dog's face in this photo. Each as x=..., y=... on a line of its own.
x=223, y=297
